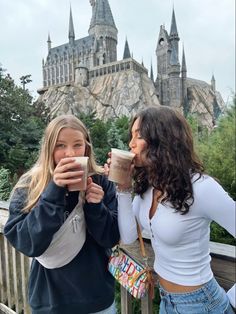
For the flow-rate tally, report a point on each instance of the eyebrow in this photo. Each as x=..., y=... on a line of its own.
x=76, y=141
x=136, y=131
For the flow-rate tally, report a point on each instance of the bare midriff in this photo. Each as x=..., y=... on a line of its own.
x=175, y=288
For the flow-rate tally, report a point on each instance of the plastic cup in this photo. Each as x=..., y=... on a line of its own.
x=120, y=166
x=82, y=185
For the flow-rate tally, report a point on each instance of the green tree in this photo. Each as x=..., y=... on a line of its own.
x=22, y=123
x=5, y=184
x=217, y=151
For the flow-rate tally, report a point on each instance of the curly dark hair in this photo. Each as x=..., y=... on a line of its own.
x=170, y=159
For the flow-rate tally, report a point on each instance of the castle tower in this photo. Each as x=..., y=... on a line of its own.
x=168, y=81
x=174, y=66
x=163, y=56
x=102, y=27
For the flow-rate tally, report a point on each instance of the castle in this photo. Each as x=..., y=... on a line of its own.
x=80, y=60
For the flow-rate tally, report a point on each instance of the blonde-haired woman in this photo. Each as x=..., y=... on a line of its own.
x=69, y=234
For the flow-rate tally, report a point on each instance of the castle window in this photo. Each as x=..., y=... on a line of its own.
x=161, y=42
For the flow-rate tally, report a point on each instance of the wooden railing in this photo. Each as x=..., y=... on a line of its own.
x=14, y=270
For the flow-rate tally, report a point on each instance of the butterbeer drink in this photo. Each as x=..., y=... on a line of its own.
x=120, y=165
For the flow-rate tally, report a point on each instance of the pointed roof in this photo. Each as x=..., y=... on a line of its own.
x=126, y=54
x=71, y=27
x=173, y=28
x=102, y=14
x=49, y=39
x=184, y=67
x=151, y=73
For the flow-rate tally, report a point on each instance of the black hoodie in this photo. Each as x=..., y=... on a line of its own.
x=84, y=285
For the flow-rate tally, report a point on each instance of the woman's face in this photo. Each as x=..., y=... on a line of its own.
x=137, y=144
x=70, y=143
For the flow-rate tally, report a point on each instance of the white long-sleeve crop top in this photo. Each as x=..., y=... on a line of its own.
x=180, y=242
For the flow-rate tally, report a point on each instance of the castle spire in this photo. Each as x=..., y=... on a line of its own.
x=174, y=41
x=173, y=28
x=126, y=54
x=71, y=28
x=184, y=67
x=49, y=42
x=151, y=73
x=213, y=83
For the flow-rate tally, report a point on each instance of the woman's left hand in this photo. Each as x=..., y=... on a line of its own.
x=94, y=192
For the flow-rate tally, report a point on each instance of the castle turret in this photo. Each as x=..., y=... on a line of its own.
x=102, y=27
x=81, y=75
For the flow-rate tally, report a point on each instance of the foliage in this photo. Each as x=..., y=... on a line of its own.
x=21, y=126
x=217, y=151
x=106, y=134
x=5, y=184
x=218, y=154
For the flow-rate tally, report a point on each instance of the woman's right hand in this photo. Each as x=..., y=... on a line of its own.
x=67, y=172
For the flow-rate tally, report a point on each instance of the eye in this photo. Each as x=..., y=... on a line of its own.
x=78, y=145
x=60, y=145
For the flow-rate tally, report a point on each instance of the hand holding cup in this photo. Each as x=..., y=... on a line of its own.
x=120, y=166
x=72, y=172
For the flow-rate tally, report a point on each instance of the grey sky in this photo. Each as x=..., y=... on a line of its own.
x=205, y=27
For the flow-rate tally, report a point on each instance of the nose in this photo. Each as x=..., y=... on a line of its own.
x=132, y=143
x=70, y=152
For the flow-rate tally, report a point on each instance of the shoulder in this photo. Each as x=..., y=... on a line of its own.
x=205, y=183
x=18, y=197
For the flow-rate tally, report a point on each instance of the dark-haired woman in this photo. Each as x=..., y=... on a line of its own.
x=176, y=202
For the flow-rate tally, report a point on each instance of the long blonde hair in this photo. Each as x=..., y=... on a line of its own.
x=37, y=178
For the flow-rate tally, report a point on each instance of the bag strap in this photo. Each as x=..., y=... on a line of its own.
x=150, y=278
x=141, y=242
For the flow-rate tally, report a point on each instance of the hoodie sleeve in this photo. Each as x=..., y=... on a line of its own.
x=31, y=233
x=102, y=218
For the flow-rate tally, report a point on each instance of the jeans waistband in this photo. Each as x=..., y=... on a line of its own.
x=209, y=286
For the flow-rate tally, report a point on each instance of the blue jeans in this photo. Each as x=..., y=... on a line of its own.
x=110, y=310
x=210, y=299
